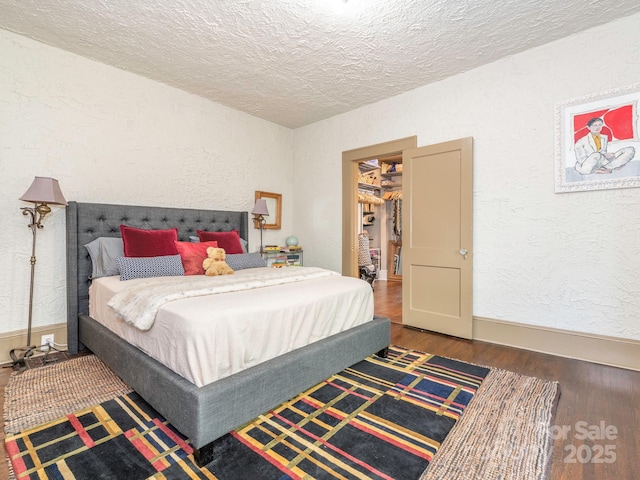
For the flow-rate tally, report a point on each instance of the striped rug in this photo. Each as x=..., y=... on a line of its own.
x=380, y=419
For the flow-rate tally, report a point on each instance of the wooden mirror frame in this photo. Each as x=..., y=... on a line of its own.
x=274, y=205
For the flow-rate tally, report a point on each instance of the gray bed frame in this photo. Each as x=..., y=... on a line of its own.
x=203, y=414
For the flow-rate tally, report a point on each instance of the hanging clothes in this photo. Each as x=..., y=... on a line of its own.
x=370, y=199
x=395, y=197
x=397, y=217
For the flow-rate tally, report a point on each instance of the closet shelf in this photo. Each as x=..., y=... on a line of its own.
x=391, y=159
x=367, y=167
x=369, y=187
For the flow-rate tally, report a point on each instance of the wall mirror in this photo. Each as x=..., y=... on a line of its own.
x=274, y=205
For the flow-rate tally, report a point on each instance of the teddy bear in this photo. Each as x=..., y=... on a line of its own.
x=215, y=264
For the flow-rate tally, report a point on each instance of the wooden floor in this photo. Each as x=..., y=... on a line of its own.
x=594, y=399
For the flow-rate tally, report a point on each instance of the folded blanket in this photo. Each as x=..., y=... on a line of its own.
x=139, y=302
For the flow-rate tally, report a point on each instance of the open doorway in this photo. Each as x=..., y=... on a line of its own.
x=379, y=218
x=350, y=173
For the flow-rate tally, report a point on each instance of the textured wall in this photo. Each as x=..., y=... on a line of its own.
x=111, y=136
x=569, y=260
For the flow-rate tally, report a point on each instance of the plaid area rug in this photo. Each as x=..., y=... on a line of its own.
x=380, y=419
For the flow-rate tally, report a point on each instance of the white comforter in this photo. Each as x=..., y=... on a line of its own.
x=139, y=301
x=208, y=337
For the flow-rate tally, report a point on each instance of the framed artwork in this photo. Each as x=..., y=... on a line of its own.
x=597, y=141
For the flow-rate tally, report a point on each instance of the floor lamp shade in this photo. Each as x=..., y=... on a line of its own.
x=44, y=190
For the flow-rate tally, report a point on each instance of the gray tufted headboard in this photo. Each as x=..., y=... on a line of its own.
x=88, y=221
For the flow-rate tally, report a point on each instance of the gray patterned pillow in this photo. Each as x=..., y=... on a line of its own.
x=240, y=261
x=145, y=267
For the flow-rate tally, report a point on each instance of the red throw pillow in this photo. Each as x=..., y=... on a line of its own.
x=139, y=242
x=192, y=255
x=230, y=241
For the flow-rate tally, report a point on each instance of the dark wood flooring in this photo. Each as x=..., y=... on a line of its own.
x=594, y=399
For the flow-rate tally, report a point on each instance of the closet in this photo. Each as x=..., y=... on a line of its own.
x=391, y=184
x=370, y=210
x=380, y=213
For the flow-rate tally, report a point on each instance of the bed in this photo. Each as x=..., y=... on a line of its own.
x=202, y=413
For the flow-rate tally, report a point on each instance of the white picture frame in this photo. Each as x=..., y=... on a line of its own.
x=579, y=166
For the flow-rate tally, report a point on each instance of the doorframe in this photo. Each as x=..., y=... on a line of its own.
x=350, y=161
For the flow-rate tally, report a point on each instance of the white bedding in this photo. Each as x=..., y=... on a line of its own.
x=206, y=338
x=139, y=302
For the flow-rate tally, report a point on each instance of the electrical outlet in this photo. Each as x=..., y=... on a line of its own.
x=46, y=340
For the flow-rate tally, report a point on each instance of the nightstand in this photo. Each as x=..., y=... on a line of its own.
x=283, y=258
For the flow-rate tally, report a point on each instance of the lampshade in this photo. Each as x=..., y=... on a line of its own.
x=260, y=208
x=44, y=190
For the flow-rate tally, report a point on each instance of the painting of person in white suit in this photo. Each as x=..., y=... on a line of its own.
x=591, y=152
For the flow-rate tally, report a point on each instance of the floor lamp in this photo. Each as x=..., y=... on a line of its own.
x=44, y=191
x=259, y=211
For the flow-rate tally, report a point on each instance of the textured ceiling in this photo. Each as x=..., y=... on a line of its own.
x=295, y=62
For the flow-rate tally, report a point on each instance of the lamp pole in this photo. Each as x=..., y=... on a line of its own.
x=39, y=210
x=261, y=222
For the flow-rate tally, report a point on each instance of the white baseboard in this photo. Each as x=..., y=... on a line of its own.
x=18, y=339
x=614, y=351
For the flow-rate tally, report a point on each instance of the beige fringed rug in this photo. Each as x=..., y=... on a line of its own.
x=503, y=433
x=43, y=394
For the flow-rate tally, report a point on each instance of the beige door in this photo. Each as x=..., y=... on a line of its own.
x=437, y=253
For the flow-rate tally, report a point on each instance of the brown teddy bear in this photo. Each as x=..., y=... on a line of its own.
x=215, y=264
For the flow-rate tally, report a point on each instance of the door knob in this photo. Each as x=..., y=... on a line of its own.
x=463, y=252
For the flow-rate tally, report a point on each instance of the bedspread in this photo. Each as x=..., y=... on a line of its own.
x=139, y=302
x=209, y=337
